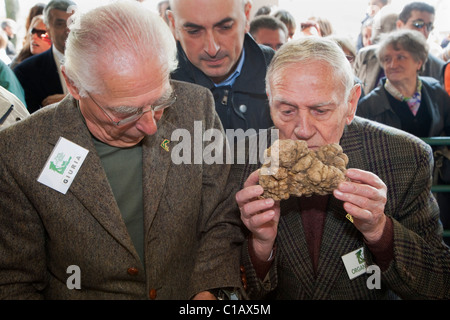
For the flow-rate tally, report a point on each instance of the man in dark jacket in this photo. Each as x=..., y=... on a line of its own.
x=40, y=75
x=214, y=51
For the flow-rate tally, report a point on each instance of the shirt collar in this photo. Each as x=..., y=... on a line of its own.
x=58, y=54
x=232, y=78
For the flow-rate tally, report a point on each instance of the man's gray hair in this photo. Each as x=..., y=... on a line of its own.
x=63, y=5
x=310, y=50
x=120, y=34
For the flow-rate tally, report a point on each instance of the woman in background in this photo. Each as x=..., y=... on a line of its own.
x=407, y=101
x=36, y=41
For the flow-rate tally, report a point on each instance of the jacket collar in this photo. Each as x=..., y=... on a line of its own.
x=254, y=68
x=91, y=186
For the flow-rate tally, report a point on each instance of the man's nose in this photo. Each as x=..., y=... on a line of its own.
x=425, y=32
x=147, y=123
x=211, y=45
x=304, y=129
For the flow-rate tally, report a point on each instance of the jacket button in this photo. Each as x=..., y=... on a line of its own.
x=243, y=108
x=152, y=294
x=132, y=271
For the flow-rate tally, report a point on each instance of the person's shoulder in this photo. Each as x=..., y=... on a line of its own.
x=251, y=45
x=29, y=130
x=435, y=60
x=184, y=87
x=431, y=82
x=191, y=97
x=34, y=61
x=267, y=51
x=368, y=50
x=374, y=93
x=379, y=132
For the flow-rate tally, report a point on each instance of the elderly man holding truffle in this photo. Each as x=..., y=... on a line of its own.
x=375, y=234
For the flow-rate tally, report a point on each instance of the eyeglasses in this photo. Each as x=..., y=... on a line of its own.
x=40, y=33
x=139, y=111
x=419, y=24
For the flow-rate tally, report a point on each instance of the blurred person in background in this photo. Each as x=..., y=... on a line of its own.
x=3, y=44
x=37, y=41
x=9, y=81
x=40, y=75
x=410, y=102
x=269, y=31
x=288, y=19
x=373, y=8
x=418, y=16
x=9, y=26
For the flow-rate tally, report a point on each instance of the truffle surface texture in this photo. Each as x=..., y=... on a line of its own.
x=292, y=169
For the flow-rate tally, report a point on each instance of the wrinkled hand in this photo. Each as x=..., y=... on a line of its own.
x=52, y=99
x=260, y=216
x=364, y=199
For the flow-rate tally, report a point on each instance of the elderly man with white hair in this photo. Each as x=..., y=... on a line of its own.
x=378, y=234
x=91, y=204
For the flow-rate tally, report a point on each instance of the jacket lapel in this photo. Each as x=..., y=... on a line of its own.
x=156, y=164
x=294, y=245
x=90, y=186
x=339, y=238
x=339, y=235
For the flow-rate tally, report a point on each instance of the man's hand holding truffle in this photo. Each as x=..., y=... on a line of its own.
x=260, y=216
x=364, y=199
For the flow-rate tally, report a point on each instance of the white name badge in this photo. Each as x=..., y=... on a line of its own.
x=355, y=263
x=62, y=166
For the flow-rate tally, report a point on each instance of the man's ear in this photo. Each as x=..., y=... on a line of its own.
x=73, y=90
x=247, y=10
x=171, y=18
x=352, y=103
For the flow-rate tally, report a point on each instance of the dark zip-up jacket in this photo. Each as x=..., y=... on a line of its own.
x=244, y=105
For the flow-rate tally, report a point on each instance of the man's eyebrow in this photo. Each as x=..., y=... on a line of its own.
x=284, y=101
x=223, y=21
x=196, y=26
x=317, y=105
x=192, y=25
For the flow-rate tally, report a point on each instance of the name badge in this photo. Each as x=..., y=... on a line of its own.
x=355, y=263
x=62, y=166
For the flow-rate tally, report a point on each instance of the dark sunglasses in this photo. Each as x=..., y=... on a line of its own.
x=419, y=24
x=40, y=33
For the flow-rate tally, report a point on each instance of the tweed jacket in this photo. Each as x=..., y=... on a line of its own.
x=367, y=68
x=191, y=229
x=421, y=265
